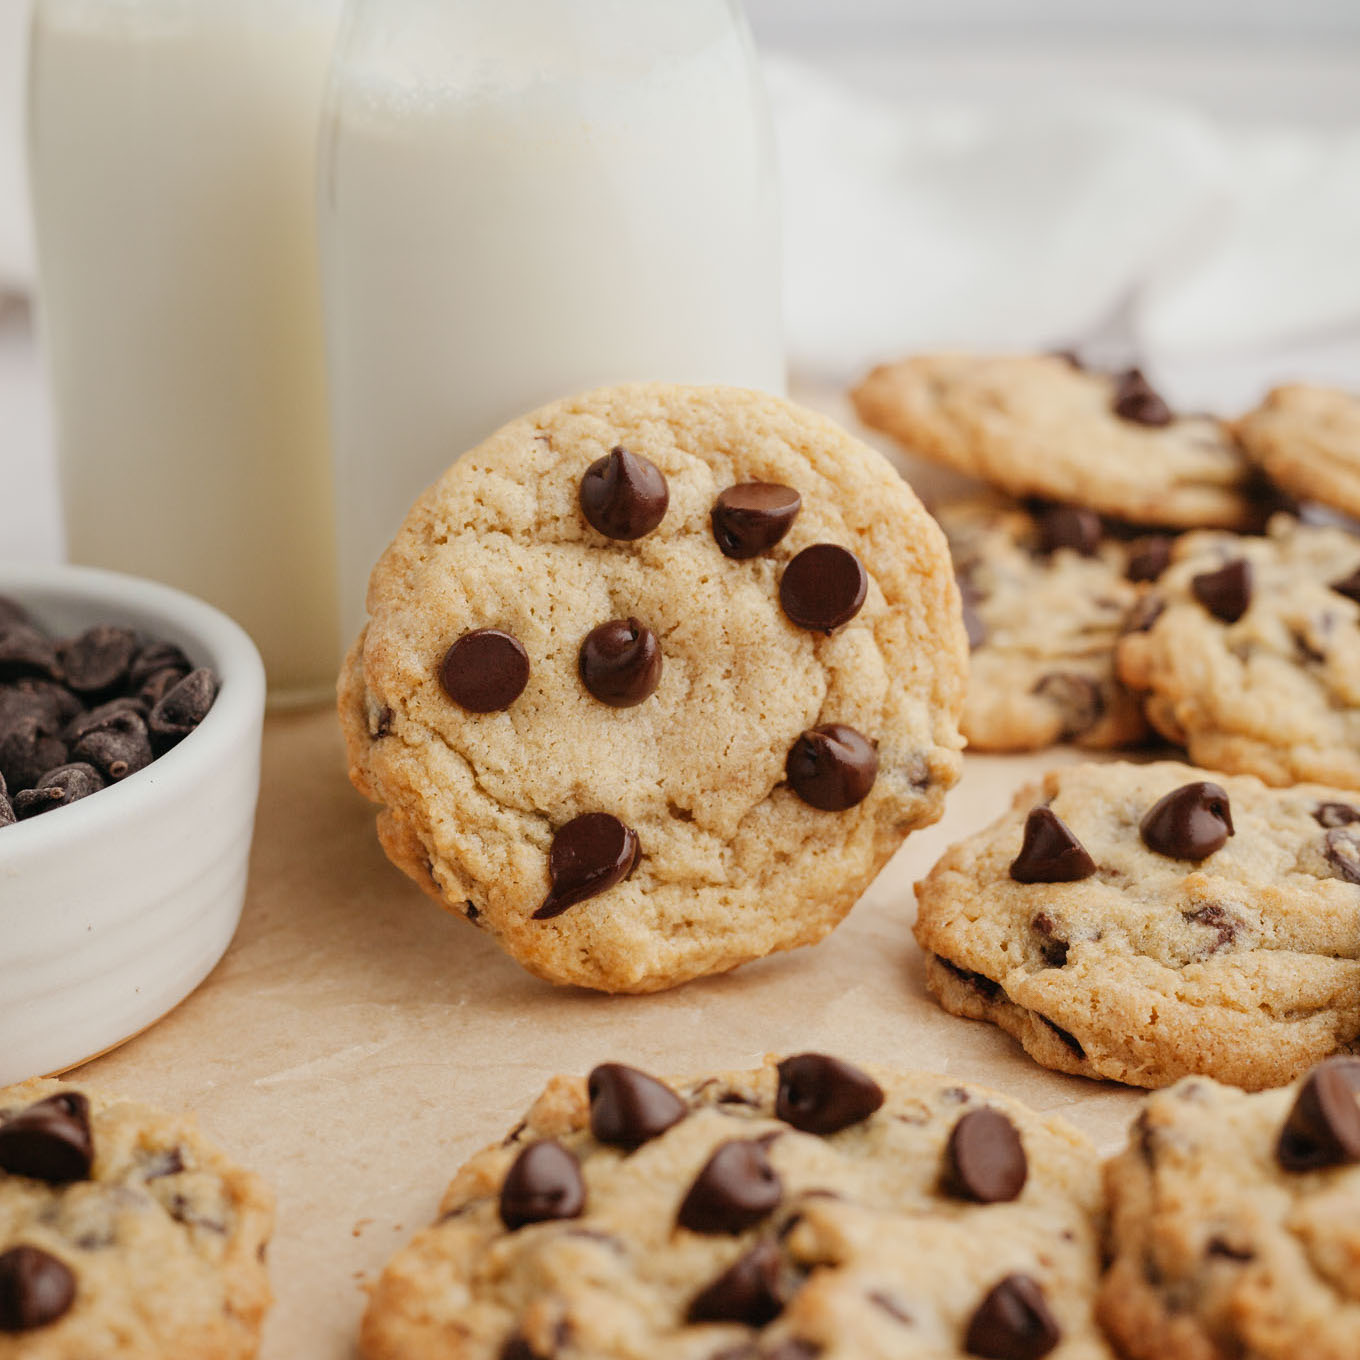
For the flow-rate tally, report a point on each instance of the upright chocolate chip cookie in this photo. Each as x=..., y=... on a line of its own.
x=1039, y=426
x=1308, y=441
x=655, y=681
x=1146, y=922
x=1248, y=652
x=123, y=1234
x=1235, y=1223
x=811, y=1210
x=1045, y=598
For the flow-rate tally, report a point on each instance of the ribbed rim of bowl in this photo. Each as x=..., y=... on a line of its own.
x=235, y=715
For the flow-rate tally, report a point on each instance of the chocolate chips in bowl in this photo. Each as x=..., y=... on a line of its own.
x=81, y=712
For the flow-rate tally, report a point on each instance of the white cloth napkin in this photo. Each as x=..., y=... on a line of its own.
x=1045, y=225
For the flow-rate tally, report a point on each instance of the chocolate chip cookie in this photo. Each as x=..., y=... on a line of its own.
x=810, y=1210
x=655, y=681
x=123, y=1234
x=1037, y=425
x=1045, y=597
x=1148, y=922
x=1235, y=1223
x=1308, y=441
x=1248, y=650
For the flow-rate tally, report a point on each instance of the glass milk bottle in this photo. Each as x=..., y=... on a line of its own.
x=173, y=165
x=522, y=199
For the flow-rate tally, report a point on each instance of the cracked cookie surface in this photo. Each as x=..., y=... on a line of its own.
x=123, y=1233
x=1307, y=439
x=733, y=863
x=1034, y=425
x=1243, y=965
x=1044, y=626
x=854, y=1249
x=1255, y=668
x=1220, y=1250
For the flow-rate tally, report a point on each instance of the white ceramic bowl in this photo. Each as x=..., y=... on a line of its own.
x=114, y=908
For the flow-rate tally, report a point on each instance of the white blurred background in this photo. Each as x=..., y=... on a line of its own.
x=1176, y=181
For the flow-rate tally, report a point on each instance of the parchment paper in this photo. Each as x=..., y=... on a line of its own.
x=357, y=1043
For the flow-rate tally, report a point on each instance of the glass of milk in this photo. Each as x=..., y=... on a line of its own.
x=173, y=165
x=521, y=199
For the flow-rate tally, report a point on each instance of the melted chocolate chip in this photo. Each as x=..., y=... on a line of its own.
x=1225, y=593
x=1013, y=1323
x=751, y=518
x=748, y=1291
x=49, y=1141
x=822, y=1095
x=1076, y=697
x=823, y=587
x=590, y=854
x=987, y=989
x=1223, y=923
x=736, y=1188
x=36, y=1289
x=620, y=663
x=1190, y=822
x=485, y=670
x=1341, y=849
x=985, y=1159
x=1336, y=814
x=1148, y=557
x=832, y=767
x=1349, y=586
x=1070, y=526
x=1323, y=1127
x=1053, y=945
x=1135, y=400
x=99, y=659
x=629, y=1108
x=544, y=1182
x=1144, y=614
x=1050, y=853
x=624, y=496
x=1065, y=1037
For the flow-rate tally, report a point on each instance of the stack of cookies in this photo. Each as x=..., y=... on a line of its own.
x=1130, y=572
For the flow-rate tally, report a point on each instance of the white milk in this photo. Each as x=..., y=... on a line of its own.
x=522, y=199
x=173, y=167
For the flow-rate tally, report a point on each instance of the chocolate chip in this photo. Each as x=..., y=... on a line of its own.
x=1065, y=1037
x=485, y=671
x=27, y=752
x=1336, y=814
x=155, y=658
x=832, y=767
x=182, y=709
x=99, y=659
x=1144, y=614
x=985, y=1160
x=1224, y=924
x=24, y=651
x=1341, y=849
x=1225, y=593
x=36, y=1289
x=1135, y=400
x=983, y=986
x=50, y=1140
x=1190, y=822
x=517, y=1347
x=1323, y=1127
x=1013, y=1323
x=620, y=663
x=544, y=1182
x=1148, y=557
x=117, y=747
x=823, y=587
x=1049, y=852
x=1053, y=946
x=624, y=496
x=57, y=788
x=7, y=817
x=748, y=1291
x=35, y=697
x=1349, y=586
x=629, y=1108
x=736, y=1188
x=1070, y=526
x=751, y=518
x=822, y=1095
x=159, y=685
x=1076, y=697
x=589, y=855
x=107, y=717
